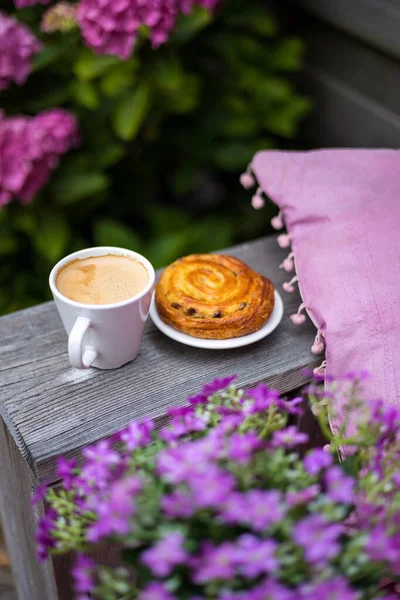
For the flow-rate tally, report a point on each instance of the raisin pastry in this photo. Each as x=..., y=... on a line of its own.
x=213, y=296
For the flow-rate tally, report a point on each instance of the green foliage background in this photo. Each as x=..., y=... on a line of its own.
x=165, y=136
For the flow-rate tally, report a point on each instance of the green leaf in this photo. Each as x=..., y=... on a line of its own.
x=188, y=26
x=108, y=232
x=46, y=57
x=8, y=242
x=49, y=98
x=284, y=120
x=109, y=154
x=286, y=55
x=89, y=65
x=67, y=189
x=167, y=219
x=131, y=111
x=168, y=73
x=210, y=234
x=85, y=94
x=188, y=97
x=233, y=156
x=256, y=19
x=51, y=237
x=117, y=81
x=239, y=126
x=167, y=248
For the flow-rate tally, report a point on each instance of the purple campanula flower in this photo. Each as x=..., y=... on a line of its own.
x=156, y=591
x=303, y=496
x=340, y=487
x=230, y=421
x=40, y=493
x=256, y=556
x=232, y=510
x=293, y=406
x=381, y=546
x=165, y=554
x=44, y=537
x=183, y=425
x=316, y=460
x=262, y=508
x=217, y=385
x=180, y=463
x=137, y=435
x=66, y=471
x=100, y=459
x=216, y=562
x=242, y=446
x=178, y=504
x=289, y=437
x=17, y=48
x=211, y=488
x=270, y=589
x=114, y=512
x=262, y=399
x=82, y=574
x=318, y=538
x=335, y=588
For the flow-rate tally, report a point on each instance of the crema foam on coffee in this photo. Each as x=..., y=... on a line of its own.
x=102, y=279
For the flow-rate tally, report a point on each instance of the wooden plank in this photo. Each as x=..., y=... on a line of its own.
x=52, y=409
x=364, y=69
x=34, y=581
x=343, y=117
x=374, y=21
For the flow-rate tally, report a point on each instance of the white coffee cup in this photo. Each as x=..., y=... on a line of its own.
x=105, y=336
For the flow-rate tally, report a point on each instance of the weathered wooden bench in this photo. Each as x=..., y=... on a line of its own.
x=50, y=409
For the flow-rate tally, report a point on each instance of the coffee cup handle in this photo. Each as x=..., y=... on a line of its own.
x=80, y=356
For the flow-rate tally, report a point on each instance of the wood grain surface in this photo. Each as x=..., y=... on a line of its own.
x=33, y=580
x=51, y=409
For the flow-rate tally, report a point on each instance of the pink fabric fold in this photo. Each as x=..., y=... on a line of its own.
x=342, y=210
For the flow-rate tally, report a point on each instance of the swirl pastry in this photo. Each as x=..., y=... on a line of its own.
x=213, y=296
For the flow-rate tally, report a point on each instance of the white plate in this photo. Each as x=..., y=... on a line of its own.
x=244, y=340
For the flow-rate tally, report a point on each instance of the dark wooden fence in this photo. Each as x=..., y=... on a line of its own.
x=352, y=70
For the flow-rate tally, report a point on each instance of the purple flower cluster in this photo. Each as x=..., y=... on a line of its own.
x=111, y=26
x=17, y=47
x=318, y=538
x=215, y=505
x=30, y=148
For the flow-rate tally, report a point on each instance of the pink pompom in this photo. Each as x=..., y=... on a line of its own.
x=319, y=345
x=320, y=370
x=287, y=287
x=287, y=265
x=298, y=319
x=318, y=348
x=284, y=240
x=247, y=180
x=257, y=202
x=277, y=222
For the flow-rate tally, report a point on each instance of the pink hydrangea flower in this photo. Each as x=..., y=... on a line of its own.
x=110, y=26
x=61, y=17
x=23, y=3
x=30, y=148
x=17, y=47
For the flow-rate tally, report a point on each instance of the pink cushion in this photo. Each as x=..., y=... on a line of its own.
x=342, y=209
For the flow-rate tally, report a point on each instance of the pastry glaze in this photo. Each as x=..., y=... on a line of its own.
x=214, y=297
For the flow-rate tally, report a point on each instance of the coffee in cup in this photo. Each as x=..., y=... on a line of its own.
x=106, y=279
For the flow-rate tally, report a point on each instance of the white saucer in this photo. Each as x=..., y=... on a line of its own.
x=270, y=325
